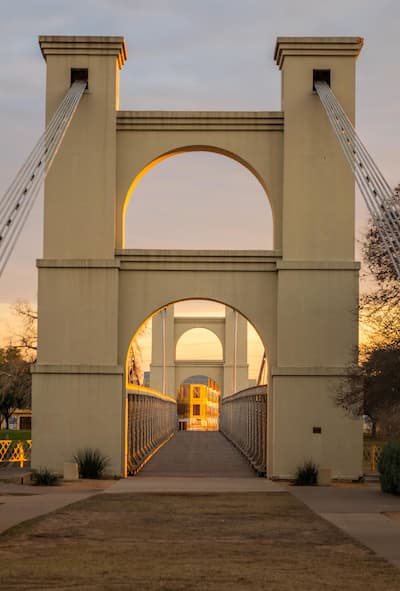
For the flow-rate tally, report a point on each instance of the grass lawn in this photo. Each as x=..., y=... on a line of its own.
x=190, y=542
x=14, y=434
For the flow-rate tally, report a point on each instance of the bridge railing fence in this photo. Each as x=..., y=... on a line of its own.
x=152, y=421
x=243, y=420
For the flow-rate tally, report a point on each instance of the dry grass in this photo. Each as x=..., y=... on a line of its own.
x=174, y=542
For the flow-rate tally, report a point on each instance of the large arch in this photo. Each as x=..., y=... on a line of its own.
x=124, y=201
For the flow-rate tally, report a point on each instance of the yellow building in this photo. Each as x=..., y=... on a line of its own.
x=198, y=407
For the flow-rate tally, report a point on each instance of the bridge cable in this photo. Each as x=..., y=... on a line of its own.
x=19, y=198
x=378, y=196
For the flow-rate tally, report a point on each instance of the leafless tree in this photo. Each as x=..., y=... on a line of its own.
x=26, y=337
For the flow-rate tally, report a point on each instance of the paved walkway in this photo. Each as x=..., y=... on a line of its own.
x=363, y=511
x=196, y=461
x=20, y=503
x=198, y=454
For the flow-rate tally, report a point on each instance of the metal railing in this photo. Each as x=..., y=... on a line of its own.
x=152, y=421
x=15, y=451
x=243, y=421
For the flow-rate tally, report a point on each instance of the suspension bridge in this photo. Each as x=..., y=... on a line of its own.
x=94, y=294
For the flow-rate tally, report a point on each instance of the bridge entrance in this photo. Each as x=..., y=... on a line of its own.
x=165, y=381
x=94, y=294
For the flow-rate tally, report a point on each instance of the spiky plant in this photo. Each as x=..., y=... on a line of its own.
x=91, y=463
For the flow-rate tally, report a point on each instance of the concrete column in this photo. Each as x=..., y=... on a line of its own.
x=78, y=394
x=317, y=277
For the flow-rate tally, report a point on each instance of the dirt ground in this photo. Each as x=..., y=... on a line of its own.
x=176, y=542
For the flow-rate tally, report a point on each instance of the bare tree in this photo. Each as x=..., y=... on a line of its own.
x=386, y=291
x=26, y=338
x=373, y=388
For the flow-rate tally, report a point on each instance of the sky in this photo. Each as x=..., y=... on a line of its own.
x=190, y=55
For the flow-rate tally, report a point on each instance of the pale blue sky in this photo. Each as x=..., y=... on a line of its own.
x=186, y=54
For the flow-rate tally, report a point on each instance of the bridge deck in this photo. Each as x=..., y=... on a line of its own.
x=198, y=454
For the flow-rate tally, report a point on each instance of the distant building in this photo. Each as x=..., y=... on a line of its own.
x=21, y=419
x=198, y=407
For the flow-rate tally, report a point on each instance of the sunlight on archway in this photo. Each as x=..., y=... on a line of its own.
x=195, y=348
x=199, y=200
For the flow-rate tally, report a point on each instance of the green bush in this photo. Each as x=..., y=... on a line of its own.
x=306, y=475
x=389, y=468
x=43, y=477
x=91, y=463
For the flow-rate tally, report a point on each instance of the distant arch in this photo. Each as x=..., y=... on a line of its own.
x=191, y=339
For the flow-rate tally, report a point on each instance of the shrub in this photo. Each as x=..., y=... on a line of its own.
x=43, y=477
x=389, y=468
x=306, y=475
x=91, y=463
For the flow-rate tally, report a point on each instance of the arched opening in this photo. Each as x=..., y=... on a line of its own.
x=193, y=344
x=197, y=198
x=196, y=353
x=199, y=343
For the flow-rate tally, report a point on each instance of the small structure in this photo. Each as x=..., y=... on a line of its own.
x=20, y=420
x=198, y=407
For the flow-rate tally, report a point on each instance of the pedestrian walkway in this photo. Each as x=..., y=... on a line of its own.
x=196, y=462
x=21, y=503
x=363, y=512
x=198, y=454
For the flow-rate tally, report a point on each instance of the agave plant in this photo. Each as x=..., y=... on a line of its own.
x=43, y=477
x=91, y=463
x=306, y=475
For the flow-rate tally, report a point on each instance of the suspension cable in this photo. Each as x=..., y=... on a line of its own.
x=19, y=198
x=378, y=196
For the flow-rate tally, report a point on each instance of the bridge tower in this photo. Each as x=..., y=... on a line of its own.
x=77, y=382
x=317, y=291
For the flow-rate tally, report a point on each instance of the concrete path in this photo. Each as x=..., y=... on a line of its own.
x=194, y=484
x=198, y=454
x=21, y=503
x=364, y=512
x=196, y=462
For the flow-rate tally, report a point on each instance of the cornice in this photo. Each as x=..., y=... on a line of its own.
x=316, y=46
x=199, y=121
x=84, y=45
